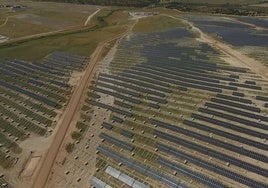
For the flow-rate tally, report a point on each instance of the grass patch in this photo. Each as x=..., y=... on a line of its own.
x=16, y=28
x=69, y=147
x=83, y=42
x=76, y=135
x=156, y=23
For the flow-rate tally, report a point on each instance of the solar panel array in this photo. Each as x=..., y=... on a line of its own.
x=178, y=116
x=169, y=112
x=30, y=96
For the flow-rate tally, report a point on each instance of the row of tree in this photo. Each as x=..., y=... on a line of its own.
x=133, y=3
x=230, y=9
x=187, y=6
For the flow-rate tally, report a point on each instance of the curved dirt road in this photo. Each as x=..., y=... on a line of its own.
x=237, y=58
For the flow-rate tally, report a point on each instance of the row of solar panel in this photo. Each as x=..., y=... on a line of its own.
x=212, y=141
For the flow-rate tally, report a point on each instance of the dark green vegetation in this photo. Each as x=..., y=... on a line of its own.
x=69, y=147
x=135, y=3
x=224, y=8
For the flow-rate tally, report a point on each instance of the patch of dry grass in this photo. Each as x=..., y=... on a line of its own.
x=40, y=17
x=156, y=23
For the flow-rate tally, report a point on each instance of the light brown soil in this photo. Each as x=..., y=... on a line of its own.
x=75, y=78
x=74, y=166
x=30, y=166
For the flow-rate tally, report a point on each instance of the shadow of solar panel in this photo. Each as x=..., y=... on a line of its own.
x=238, y=94
x=211, y=152
x=32, y=95
x=245, y=86
x=212, y=141
x=140, y=168
x=107, y=125
x=262, y=98
x=226, y=134
x=117, y=119
x=241, y=113
x=117, y=142
x=156, y=106
x=230, y=126
x=122, y=104
x=237, y=105
x=127, y=133
x=199, y=177
x=232, y=118
x=232, y=98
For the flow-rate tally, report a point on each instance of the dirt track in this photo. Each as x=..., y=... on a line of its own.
x=71, y=109
x=90, y=16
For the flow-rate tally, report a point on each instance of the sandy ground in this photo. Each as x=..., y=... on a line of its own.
x=234, y=57
x=90, y=16
x=31, y=148
x=75, y=78
x=31, y=165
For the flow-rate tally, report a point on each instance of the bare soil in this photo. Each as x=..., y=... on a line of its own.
x=31, y=165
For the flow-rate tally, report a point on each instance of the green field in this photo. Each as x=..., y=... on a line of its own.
x=41, y=17
x=156, y=23
x=81, y=41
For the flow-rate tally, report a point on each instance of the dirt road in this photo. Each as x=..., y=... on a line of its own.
x=236, y=58
x=68, y=115
x=2, y=25
x=90, y=16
